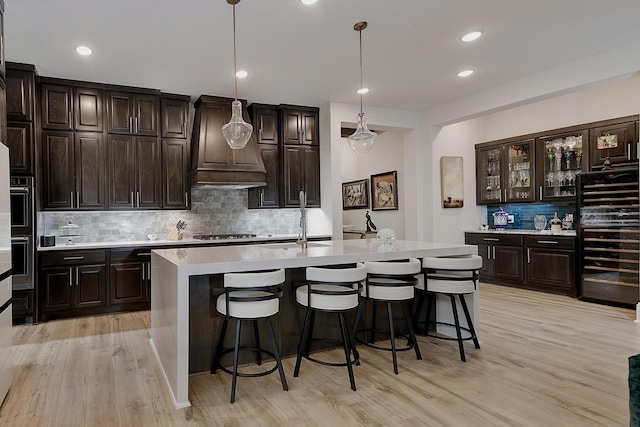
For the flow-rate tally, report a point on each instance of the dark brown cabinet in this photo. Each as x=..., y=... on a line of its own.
x=301, y=172
x=20, y=143
x=175, y=168
x=265, y=124
x=133, y=113
x=72, y=282
x=2, y=51
x=130, y=278
x=20, y=92
x=551, y=263
x=134, y=172
x=615, y=139
x=175, y=114
x=71, y=108
x=73, y=170
x=533, y=261
x=299, y=125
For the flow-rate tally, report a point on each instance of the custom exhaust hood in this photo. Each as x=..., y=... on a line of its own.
x=213, y=162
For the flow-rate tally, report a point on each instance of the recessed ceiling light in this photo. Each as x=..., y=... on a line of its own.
x=465, y=73
x=307, y=2
x=242, y=74
x=471, y=36
x=363, y=90
x=84, y=50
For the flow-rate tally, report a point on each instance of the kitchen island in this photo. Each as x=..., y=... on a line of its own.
x=175, y=271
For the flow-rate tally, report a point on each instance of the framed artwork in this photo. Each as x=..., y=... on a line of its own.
x=355, y=194
x=384, y=191
x=451, y=183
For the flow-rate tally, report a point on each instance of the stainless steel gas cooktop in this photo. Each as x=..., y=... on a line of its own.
x=223, y=236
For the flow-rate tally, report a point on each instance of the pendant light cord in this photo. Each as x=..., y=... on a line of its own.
x=360, y=71
x=235, y=60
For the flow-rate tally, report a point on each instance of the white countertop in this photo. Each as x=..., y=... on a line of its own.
x=569, y=233
x=163, y=242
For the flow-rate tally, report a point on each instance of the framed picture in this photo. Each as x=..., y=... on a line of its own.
x=451, y=182
x=355, y=194
x=384, y=191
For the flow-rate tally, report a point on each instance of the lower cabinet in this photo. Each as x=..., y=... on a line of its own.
x=72, y=283
x=539, y=262
x=130, y=278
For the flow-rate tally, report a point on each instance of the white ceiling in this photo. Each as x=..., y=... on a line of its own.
x=305, y=55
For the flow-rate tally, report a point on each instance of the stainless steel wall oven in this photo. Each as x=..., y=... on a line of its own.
x=22, y=232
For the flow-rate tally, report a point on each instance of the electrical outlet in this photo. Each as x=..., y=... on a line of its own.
x=511, y=219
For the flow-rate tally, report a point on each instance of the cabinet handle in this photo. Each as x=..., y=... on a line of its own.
x=550, y=242
x=77, y=274
x=186, y=199
x=137, y=198
x=505, y=194
x=260, y=134
x=629, y=152
x=494, y=252
x=488, y=252
x=132, y=200
x=144, y=272
x=73, y=258
x=71, y=198
x=70, y=277
x=300, y=137
x=137, y=123
x=149, y=271
x=130, y=125
x=541, y=193
x=77, y=199
x=70, y=121
x=261, y=197
x=528, y=256
x=490, y=239
x=144, y=254
x=303, y=136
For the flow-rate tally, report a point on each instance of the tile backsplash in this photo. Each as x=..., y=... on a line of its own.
x=213, y=211
x=524, y=213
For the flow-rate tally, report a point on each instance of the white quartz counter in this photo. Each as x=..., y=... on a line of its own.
x=172, y=268
x=569, y=233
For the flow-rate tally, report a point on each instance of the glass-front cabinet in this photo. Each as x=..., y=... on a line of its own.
x=505, y=173
x=562, y=157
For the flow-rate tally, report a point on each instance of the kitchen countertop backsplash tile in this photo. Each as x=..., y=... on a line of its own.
x=523, y=214
x=213, y=211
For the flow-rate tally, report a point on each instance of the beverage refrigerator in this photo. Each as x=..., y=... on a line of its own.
x=6, y=365
x=609, y=234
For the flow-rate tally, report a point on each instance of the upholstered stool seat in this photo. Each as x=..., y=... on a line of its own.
x=249, y=296
x=332, y=290
x=389, y=282
x=450, y=276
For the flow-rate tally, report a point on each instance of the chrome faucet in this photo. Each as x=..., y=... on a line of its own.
x=302, y=237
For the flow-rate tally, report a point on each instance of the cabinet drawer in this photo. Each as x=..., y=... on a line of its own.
x=130, y=255
x=551, y=242
x=72, y=258
x=494, y=239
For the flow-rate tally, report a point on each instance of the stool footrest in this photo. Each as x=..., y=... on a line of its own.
x=322, y=362
x=384, y=331
x=446, y=337
x=244, y=374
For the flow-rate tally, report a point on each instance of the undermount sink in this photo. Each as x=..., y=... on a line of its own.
x=293, y=245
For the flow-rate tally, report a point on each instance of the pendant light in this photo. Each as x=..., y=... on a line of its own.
x=237, y=132
x=362, y=140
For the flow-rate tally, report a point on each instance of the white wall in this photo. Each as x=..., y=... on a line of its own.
x=386, y=155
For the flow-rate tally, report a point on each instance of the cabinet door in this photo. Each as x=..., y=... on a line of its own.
x=88, y=104
x=551, y=268
x=508, y=262
x=119, y=112
x=90, y=286
x=291, y=125
x=175, y=113
x=293, y=169
x=90, y=176
x=148, y=172
x=560, y=158
x=146, y=113
x=57, y=105
x=56, y=289
x=20, y=143
x=486, y=252
x=128, y=283
x=616, y=141
x=312, y=176
x=266, y=125
x=270, y=195
x=310, y=132
x=175, y=164
x=20, y=92
x=489, y=175
x=57, y=170
x=520, y=171
x=121, y=172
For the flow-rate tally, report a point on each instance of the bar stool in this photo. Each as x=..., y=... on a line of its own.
x=330, y=290
x=450, y=276
x=389, y=282
x=249, y=296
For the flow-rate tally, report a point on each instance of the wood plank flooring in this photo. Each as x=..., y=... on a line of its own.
x=546, y=360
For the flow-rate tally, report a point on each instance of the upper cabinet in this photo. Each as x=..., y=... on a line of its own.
x=72, y=108
x=175, y=115
x=133, y=113
x=175, y=151
x=543, y=167
x=616, y=139
x=265, y=125
x=299, y=125
x=21, y=88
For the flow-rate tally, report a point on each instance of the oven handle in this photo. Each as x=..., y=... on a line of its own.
x=19, y=189
x=20, y=239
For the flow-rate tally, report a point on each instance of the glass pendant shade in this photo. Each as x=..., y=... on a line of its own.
x=362, y=140
x=237, y=132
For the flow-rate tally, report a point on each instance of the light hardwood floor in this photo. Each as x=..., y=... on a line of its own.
x=546, y=360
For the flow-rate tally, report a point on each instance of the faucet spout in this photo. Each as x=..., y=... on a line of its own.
x=302, y=239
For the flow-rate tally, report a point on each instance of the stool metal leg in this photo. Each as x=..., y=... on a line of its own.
x=393, y=339
x=218, y=350
x=458, y=332
x=373, y=322
x=303, y=341
x=347, y=351
x=412, y=335
x=469, y=321
x=307, y=350
x=352, y=344
x=356, y=321
x=235, y=361
x=416, y=314
x=276, y=354
x=257, y=341
x=427, y=317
